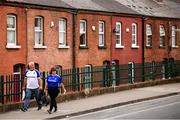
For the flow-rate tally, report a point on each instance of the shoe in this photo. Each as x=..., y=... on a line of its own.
x=55, y=110
x=49, y=111
x=39, y=108
x=23, y=109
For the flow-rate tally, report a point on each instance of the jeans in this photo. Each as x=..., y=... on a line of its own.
x=29, y=93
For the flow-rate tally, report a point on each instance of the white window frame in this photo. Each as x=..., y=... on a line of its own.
x=118, y=34
x=101, y=33
x=63, y=31
x=83, y=31
x=173, y=36
x=148, y=35
x=134, y=36
x=162, y=34
x=12, y=29
x=39, y=29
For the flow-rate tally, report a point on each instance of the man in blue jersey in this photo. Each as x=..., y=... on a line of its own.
x=53, y=83
x=32, y=85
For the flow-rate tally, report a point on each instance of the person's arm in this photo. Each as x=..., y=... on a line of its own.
x=62, y=85
x=24, y=84
x=46, y=88
x=40, y=83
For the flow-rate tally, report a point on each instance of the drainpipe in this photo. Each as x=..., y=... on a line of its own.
x=143, y=59
x=26, y=59
x=74, y=15
x=111, y=40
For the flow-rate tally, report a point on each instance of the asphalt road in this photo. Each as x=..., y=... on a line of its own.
x=162, y=108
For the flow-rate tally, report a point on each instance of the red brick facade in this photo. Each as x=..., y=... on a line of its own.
x=156, y=53
x=52, y=55
x=127, y=54
x=93, y=54
x=12, y=56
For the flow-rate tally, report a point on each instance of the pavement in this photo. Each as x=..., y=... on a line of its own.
x=94, y=103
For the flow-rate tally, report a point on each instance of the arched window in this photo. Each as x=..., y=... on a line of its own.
x=19, y=69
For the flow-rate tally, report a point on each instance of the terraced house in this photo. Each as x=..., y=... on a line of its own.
x=86, y=33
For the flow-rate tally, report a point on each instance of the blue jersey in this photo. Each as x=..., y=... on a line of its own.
x=53, y=81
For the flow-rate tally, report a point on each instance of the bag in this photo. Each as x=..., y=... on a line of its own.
x=23, y=95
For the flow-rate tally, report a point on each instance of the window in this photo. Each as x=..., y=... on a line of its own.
x=11, y=32
x=174, y=41
x=162, y=36
x=101, y=33
x=62, y=32
x=118, y=35
x=134, y=35
x=148, y=35
x=82, y=33
x=38, y=32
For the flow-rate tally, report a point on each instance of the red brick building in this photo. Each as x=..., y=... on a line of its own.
x=161, y=21
x=78, y=33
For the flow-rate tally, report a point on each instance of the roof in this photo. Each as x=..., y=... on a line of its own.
x=100, y=5
x=166, y=8
x=50, y=3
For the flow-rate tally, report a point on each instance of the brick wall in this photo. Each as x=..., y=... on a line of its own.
x=10, y=57
x=93, y=54
x=52, y=55
x=127, y=54
x=156, y=53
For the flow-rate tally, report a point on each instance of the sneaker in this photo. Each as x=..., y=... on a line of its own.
x=23, y=109
x=55, y=110
x=39, y=108
x=49, y=111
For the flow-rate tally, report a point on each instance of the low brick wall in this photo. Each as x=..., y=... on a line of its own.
x=94, y=92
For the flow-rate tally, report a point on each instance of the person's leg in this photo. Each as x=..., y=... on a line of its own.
x=55, y=103
x=51, y=94
x=27, y=99
x=38, y=98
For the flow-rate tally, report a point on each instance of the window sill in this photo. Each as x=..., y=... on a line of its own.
x=162, y=47
x=102, y=47
x=83, y=47
x=40, y=47
x=135, y=47
x=13, y=46
x=174, y=47
x=119, y=46
x=63, y=47
x=148, y=47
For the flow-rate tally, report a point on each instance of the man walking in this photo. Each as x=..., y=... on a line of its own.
x=32, y=85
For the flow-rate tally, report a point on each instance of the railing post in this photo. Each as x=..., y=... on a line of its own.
x=2, y=89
